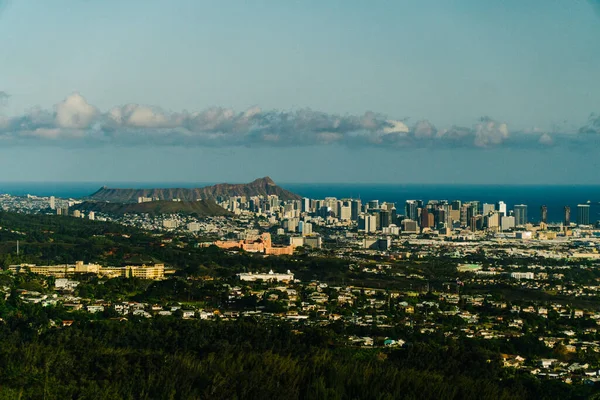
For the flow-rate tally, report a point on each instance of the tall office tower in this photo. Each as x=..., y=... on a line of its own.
x=464, y=215
x=324, y=212
x=370, y=223
x=456, y=204
x=332, y=203
x=384, y=218
x=305, y=204
x=475, y=204
x=507, y=222
x=471, y=211
x=476, y=223
x=567, y=220
x=344, y=210
x=367, y=223
x=501, y=206
x=544, y=214
x=432, y=204
x=412, y=208
x=441, y=217
x=273, y=201
x=52, y=202
x=520, y=214
x=488, y=208
x=492, y=220
x=355, y=209
x=431, y=220
x=307, y=229
x=394, y=216
x=319, y=204
x=425, y=218
x=583, y=214
x=373, y=204
x=410, y=226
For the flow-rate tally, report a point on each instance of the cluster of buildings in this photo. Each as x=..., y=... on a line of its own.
x=256, y=244
x=155, y=272
x=298, y=217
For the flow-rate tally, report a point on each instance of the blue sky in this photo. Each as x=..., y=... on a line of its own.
x=431, y=91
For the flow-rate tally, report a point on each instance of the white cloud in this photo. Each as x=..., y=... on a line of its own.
x=424, y=130
x=490, y=133
x=395, y=127
x=75, y=121
x=75, y=113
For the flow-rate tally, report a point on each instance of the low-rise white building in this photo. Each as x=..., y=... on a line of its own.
x=271, y=276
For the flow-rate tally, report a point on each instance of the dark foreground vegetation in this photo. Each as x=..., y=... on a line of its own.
x=167, y=358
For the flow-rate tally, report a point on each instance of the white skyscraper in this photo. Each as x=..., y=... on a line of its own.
x=52, y=202
x=305, y=204
x=502, y=208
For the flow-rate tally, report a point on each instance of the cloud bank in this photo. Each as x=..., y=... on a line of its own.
x=74, y=121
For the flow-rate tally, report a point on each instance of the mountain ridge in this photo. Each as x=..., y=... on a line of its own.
x=262, y=186
x=203, y=208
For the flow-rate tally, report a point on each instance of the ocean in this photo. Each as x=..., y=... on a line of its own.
x=534, y=196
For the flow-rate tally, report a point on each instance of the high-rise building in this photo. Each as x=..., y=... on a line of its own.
x=583, y=214
x=52, y=202
x=410, y=226
x=427, y=219
x=520, y=214
x=476, y=223
x=492, y=220
x=475, y=205
x=384, y=218
x=544, y=214
x=456, y=205
x=344, y=210
x=373, y=204
x=305, y=204
x=464, y=215
x=441, y=216
x=567, y=220
x=507, y=222
x=501, y=206
x=472, y=210
x=370, y=223
x=488, y=208
x=367, y=223
x=355, y=207
x=412, y=208
x=307, y=229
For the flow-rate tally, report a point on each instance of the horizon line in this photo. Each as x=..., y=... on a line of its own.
x=102, y=183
